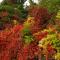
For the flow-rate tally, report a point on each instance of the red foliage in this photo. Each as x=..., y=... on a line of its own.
x=41, y=14
x=50, y=49
x=3, y=13
x=10, y=43
x=40, y=35
x=33, y=49
x=41, y=17
x=18, y=28
x=12, y=46
x=29, y=51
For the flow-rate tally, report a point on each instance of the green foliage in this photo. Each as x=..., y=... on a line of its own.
x=52, y=38
x=28, y=39
x=52, y=5
x=13, y=1
x=16, y=10
x=26, y=31
x=27, y=36
x=13, y=9
x=23, y=12
x=57, y=28
x=32, y=2
x=8, y=8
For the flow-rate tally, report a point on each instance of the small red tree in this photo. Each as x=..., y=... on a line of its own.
x=41, y=17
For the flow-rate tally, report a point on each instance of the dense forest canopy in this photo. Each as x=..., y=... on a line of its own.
x=30, y=32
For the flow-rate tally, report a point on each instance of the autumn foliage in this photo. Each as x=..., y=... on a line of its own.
x=35, y=38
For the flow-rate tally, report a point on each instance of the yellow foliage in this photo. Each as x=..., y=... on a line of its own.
x=57, y=56
x=58, y=15
x=29, y=22
x=36, y=33
x=15, y=22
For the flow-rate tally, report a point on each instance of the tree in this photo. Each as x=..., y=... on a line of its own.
x=32, y=3
x=52, y=5
x=14, y=1
x=14, y=9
